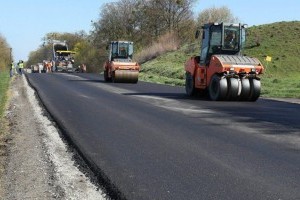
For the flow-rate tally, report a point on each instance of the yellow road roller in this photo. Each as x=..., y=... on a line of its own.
x=120, y=68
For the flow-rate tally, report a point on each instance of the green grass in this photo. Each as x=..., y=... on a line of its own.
x=279, y=86
x=168, y=68
x=279, y=40
x=4, y=83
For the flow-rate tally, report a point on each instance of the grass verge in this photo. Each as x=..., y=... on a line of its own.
x=167, y=68
x=4, y=85
x=287, y=86
x=278, y=40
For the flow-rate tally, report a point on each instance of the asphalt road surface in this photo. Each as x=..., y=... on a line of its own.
x=150, y=141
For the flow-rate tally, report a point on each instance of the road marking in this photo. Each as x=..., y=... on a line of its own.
x=84, y=96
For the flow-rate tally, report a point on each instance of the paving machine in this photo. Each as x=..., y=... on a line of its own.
x=63, y=60
x=221, y=70
x=119, y=67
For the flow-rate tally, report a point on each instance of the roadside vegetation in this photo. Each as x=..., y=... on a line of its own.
x=163, y=35
x=4, y=77
x=168, y=68
x=4, y=83
x=86, y=52
x=278, y=40
x=142, y=22
x=281, y=42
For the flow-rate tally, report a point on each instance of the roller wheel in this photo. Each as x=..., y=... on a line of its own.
x=189, y=84
x=255, y=87
x=106, y=78
x=245, y=92
x=135, y=81
x=113, y=77
x=125, y=76
x=218, y=88
x=233, y=89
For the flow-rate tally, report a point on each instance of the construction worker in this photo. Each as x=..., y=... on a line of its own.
x=123, y=52
x=21, y=66
x=12, y=69
x=48, y=67
x=83, y=68
x=230, y=40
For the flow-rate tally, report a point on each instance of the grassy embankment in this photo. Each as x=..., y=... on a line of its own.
x=4, y=84
x=279, y=40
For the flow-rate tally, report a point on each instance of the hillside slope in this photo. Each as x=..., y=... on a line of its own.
x=279, y=40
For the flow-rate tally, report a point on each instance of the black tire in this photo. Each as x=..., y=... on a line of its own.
x=217, y=88
x=106, y=78
x=245, y=93
x=233, y=89
x=113, y=77
x=135, y=82
x=255, y=87
x=189, y=84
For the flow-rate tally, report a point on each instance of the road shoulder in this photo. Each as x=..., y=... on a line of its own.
x=37, y=163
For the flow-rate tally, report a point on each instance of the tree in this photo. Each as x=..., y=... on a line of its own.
x=44, y=52
x=88, y=54
x=70, y=38
x=221, y=14
x=143, y=21
x=5, y=56
x=162, y=16
x=174, y=12
x=117, y=22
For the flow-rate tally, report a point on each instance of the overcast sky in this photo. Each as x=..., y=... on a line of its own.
x=24, y=22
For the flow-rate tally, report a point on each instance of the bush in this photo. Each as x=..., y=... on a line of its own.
x=166, y=43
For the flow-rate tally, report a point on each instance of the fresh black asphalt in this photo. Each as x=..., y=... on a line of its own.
x=151, y=141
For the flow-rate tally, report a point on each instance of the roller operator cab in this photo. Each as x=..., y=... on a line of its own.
x=221, y=69
x=120, y=67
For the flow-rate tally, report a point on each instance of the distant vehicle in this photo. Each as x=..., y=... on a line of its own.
x=63, y=60
x=119, y=67
x=41, y=68
x=34, y=68
x=37, y=68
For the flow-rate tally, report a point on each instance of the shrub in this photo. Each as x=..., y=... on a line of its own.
x=166, y=43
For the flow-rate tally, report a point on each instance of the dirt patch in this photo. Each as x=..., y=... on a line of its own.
x=35, y=163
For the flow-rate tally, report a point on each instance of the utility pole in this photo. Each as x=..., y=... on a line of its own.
x=10, y=56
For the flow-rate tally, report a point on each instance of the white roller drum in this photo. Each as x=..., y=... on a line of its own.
x=126, y=76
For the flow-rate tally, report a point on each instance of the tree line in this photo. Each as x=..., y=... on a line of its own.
x=5, y=55
x=145, y=22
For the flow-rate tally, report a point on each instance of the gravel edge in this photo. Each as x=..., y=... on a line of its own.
x=37, y=163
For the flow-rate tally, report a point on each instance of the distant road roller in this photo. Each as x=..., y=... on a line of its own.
x=222, y=70
x=120, y=68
